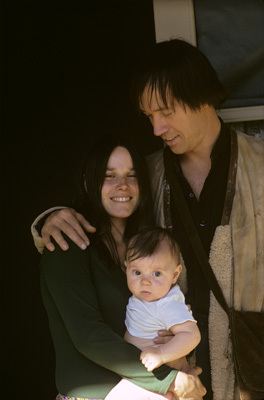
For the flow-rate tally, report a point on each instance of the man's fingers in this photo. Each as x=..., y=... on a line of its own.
x=46, y=240
x=74, y=230
x=70, y=223
x=57, y=236
x=78, y=237
x=86, y=225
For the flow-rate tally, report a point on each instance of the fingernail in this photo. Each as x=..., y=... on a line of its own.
x=83, y=246
x=87, y=242
x=65, y=246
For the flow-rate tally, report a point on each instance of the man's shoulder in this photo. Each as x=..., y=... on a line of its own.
x=255, y=139
x=155, y=159
x=250, y=144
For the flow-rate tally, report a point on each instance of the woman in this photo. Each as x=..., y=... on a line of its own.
x=85, y=292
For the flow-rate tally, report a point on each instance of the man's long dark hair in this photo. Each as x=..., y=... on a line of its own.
x=92, y=179
x=176, y=70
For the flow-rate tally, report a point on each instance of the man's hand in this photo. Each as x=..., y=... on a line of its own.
x=188, y=386
x=69, y=222
x=151, y=357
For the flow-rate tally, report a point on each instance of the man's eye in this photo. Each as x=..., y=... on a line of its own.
x=157, y=273
x=148, y=116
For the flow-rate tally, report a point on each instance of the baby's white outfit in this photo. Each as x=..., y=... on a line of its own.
x=145, y=318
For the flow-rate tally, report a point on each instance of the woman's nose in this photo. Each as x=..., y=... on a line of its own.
x=121, y=182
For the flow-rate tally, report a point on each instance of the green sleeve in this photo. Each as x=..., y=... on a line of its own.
x=69, y=281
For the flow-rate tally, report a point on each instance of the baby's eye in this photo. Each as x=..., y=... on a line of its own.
x=156, y=273
x=136, y=272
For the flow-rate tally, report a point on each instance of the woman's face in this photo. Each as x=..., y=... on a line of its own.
x=120, y=191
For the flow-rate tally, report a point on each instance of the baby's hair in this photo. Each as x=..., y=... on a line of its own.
x=147, y=242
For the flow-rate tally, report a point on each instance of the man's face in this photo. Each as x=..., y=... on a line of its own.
x=181, y=128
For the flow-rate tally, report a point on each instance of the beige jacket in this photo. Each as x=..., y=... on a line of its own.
x=237, y=252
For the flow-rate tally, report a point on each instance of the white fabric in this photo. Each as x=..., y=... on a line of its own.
x=144, y=319
x=36, y=235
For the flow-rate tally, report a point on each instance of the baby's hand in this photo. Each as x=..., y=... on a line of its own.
x=151, y=357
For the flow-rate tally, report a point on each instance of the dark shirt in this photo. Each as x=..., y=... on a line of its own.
x=207, y=214
x=85, y=296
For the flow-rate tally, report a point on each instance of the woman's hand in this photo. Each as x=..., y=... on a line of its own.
x=188, y=385
x=164, y=337
x=71, y=224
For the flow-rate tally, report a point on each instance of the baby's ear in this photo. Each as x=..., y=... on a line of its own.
x=125, y=264
x=177, y=273
x=179, y=268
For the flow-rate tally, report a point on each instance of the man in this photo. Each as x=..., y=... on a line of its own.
x=220, y=176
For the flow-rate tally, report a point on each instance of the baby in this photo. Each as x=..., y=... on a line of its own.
x=153, y=267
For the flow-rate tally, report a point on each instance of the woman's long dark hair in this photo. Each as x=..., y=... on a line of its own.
x=92, y=179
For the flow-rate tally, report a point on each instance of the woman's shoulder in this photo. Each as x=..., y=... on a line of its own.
x=74, y=257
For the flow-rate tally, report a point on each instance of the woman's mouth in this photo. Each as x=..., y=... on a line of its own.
x=121, y=199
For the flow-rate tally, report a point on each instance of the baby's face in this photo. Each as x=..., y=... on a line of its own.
x=150, y=278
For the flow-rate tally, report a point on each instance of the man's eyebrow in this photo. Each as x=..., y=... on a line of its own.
x=157, y=109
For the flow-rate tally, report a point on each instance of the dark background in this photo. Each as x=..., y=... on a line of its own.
x=66, y=69
x=66, y=72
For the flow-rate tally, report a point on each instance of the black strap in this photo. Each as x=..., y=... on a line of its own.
x=191, y=229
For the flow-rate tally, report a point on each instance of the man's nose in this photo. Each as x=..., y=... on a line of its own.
x=160, y=125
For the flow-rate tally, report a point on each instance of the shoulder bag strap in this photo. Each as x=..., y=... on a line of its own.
x=192, y=231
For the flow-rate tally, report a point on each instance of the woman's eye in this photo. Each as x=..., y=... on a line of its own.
x=167, y=114
x=134, y=175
